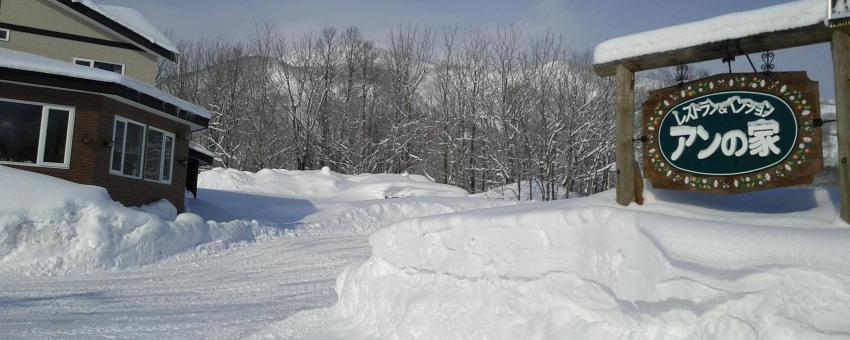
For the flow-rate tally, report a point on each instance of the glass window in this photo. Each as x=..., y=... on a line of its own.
x=103, y=65
x=141, y=151
x=169, y=156
x=56, y=136
x=133, y=150
x=35, y=134
x=117, y=68
x=118, y=145
x=153, y=155
x=4, y=34
x=20, y=127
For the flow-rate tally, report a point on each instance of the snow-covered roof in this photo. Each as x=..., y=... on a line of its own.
x=792, y=15
x=34, y=63
x=202, y=150
x=135, y=22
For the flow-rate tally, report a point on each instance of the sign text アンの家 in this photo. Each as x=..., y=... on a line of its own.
x=733, y=133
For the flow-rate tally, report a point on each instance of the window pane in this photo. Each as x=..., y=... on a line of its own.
x=133, y=150
x=19, y=132
x=4, y=35
x=109, y=67
x=57, y=136
x=169, y=155
x=153, y=155
x=117, y=145
x=83, y=62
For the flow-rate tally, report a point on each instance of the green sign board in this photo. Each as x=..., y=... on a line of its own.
x=727, y=133
x=733, y=133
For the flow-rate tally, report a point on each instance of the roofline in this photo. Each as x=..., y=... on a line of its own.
x=113, y=90
x=120, y=29
x=200, y=156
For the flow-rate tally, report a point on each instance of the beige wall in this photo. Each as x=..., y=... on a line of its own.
x=44, y=14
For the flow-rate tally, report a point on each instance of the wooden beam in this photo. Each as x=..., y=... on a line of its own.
x=841, y=66
x=809, y=35
x=625, y=120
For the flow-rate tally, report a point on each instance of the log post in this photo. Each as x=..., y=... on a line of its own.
x=841, y=68
x=625, y=121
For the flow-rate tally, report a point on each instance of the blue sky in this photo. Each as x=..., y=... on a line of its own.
x=583, y=22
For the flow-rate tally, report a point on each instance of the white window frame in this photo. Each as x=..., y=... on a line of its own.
x=8, y=34
x=42, y=135
x=145, y=129
x=92, y=61
x=120, y=172
x=161, y=159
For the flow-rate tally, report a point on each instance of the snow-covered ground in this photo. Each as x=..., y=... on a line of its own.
x=770, y=265
x=74, y=264
x=329, y=256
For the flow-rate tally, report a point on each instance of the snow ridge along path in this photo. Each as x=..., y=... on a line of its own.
x=588, y=269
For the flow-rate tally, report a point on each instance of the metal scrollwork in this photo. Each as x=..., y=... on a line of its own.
x=681, y=73
x=767, y=60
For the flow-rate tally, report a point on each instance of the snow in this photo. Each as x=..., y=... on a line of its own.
x=79, y=229
x=215, y=290
x=746, y=268
x=133, y=20
x=324, y=183
x=781, y=17
x=523, y=191
x=400, y=257
x=200, y=148
x=35, y=63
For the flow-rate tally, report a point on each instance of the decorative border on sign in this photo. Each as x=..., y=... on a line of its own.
x=803, y=159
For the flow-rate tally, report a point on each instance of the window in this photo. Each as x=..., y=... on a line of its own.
x=141, y=151
x=4, y=34
x=111, y=67
x=159, y=149
x=127, y=146
x=35, y=134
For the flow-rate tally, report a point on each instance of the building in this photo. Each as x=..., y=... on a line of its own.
x=78, y=102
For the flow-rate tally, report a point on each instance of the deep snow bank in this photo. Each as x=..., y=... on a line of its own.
x=365, y=217
x=49, y=226
x=326, y=184
x=587, y=269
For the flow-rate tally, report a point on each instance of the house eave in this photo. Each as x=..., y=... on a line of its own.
x=111, y=25
x=115, y=91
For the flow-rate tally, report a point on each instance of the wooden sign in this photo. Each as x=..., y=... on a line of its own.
x=733, y=133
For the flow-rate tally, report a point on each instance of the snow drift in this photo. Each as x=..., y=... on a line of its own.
x=49, y=226
x=326, y=184
x=587, y=269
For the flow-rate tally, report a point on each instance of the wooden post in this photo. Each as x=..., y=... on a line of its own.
x=625, y=121
x=841, y=67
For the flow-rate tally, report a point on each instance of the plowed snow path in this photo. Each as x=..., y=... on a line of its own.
x=225, y=295
x=213, y=293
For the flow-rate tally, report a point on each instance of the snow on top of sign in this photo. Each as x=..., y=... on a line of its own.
x=34, y=63
x=133, y=20
x=730, y=26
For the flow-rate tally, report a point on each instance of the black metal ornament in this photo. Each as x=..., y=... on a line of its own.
x=728, y=61
x=681, y=73
x=767, y=60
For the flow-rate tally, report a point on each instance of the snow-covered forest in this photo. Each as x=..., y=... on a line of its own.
x=472, y=107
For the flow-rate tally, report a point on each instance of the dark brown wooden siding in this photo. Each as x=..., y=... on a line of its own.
x=90, y=157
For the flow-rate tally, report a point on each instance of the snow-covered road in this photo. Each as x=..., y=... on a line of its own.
x=225, y=295
x=225, y=290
